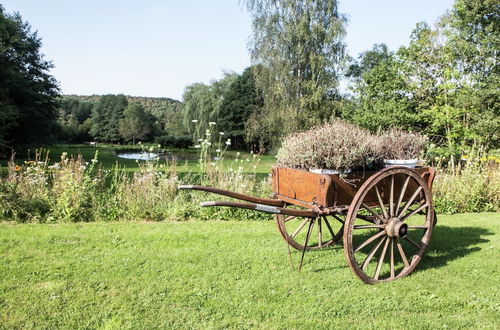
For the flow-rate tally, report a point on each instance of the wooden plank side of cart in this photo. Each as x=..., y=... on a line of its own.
x=307, y=189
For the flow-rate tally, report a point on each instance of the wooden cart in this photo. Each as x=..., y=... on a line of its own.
x=385, y=217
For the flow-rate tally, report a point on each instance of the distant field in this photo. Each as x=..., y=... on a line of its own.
x=107, y=156
x=235, y=274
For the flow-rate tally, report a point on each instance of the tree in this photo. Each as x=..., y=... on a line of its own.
x=476, y=46
x=381, y=91
x=239, y=102
x=202, y=103
x=73, y=113
x=298, y=53
x=106, y=116
x=27, y=91
x=136, y=124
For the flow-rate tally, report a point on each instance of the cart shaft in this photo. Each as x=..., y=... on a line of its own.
x=264, y=201
x=264, y=208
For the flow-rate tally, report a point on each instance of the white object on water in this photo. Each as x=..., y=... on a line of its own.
x=411, y=163
x=138, y=155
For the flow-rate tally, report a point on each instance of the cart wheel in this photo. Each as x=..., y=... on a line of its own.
x=325, y=231
x=389, y=225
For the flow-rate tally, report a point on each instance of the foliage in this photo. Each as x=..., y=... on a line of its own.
x=298, y=51
x=181, y=142
x=240, y=101
x=135, y=124
x=396, y=144
x=379, y=90
x=75, y=190
x=443, y=84
x=106, y=116
x=473, y=187
x=27, y=91
x=202, y=104
x=475, y=44
x=74, y=119
x=337, y=145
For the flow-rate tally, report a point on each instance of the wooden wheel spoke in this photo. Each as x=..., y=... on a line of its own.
x=391, y=263
x=368, y=241
x=305, y=243
x=391, y=198
x=367, y=218
x=289, y=218
x=369, y=209
x=401, y=195
x=368, y=226
x=402, y=253
x=337, y=218
x=372, y=253
x=299, y=228
x=381, y=202
x=381, y=259
x=412, y=242
x=329, y=227
x=320, y=234
x=412, y=213
x=410, y=201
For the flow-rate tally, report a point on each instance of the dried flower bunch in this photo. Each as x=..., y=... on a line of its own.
x=397, y=144
x=343, y=146
x=337, y=145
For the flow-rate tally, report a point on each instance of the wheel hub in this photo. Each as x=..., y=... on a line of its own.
x=396, y=228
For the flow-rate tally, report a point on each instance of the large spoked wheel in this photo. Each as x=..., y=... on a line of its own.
x=322, y=231
x=389, y=225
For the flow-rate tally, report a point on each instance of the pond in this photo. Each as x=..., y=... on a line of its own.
x=153, y=156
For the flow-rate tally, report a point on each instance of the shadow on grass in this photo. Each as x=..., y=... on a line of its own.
x=450, y=243
x=447, y=244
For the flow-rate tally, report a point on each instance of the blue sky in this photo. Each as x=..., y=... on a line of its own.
x=156, y=48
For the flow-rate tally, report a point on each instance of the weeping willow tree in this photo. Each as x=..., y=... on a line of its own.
x=202, y=104
x=298, y=52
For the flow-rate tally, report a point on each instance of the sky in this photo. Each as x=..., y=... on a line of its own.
x=156, y=48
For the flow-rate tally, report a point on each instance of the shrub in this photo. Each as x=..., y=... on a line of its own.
x=181, y=142
x=397, y=144
x=337, y=145
x=473, y=188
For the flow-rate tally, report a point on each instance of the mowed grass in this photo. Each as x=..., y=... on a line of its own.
x=107, y=157
x=236, y=274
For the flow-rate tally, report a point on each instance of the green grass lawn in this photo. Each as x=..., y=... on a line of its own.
x=236, y=274
x=107, y=156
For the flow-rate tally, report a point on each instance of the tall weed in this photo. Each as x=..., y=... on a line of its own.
x=474, y=186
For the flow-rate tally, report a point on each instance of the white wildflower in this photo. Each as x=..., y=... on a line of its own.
x=194, y=120
x=228, y=142
x=212, y=123
x=197, y=146
x=221, y=133
x=218, y=150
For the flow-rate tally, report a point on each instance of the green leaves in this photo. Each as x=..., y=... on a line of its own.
x=297, y=47
x=136, y=124
x=27, y=92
